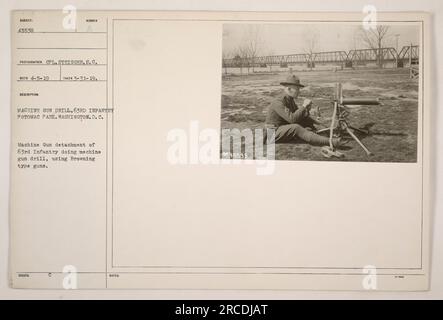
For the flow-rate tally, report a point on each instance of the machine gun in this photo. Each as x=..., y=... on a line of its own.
x=340, y=124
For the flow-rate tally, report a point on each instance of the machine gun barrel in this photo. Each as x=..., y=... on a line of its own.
x=360, y=101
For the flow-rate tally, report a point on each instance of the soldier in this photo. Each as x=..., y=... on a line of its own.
x=292, y=122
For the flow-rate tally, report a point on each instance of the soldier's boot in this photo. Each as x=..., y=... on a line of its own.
x=313, y=138
x=318, y=140
x=291, y=132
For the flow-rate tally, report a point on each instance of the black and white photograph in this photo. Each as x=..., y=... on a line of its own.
x=275, y=153
x=325, y=91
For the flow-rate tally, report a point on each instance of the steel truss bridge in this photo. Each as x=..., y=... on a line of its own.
x=408, y=54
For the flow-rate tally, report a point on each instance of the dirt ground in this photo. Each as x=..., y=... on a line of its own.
x=392, y=125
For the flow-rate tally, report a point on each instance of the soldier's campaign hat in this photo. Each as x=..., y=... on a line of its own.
x=292, y=80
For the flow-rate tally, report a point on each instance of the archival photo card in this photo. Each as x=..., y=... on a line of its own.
x=220, y=150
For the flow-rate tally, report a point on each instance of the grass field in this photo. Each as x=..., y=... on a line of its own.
x=392, y=125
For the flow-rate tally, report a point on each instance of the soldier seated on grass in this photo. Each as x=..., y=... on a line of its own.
x=292, y=123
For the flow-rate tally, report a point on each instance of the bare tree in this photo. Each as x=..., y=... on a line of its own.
x=226, y=55
x=240, y=58
x=310, y=38
x=243, y=52
x=270, y=52
x=252, y=44
x=375, y=39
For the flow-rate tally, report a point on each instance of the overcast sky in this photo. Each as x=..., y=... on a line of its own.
x=292, y=38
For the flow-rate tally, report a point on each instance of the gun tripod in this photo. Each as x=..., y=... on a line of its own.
x=339, y=121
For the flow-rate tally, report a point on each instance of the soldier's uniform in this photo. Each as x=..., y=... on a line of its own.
x=291, y=122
